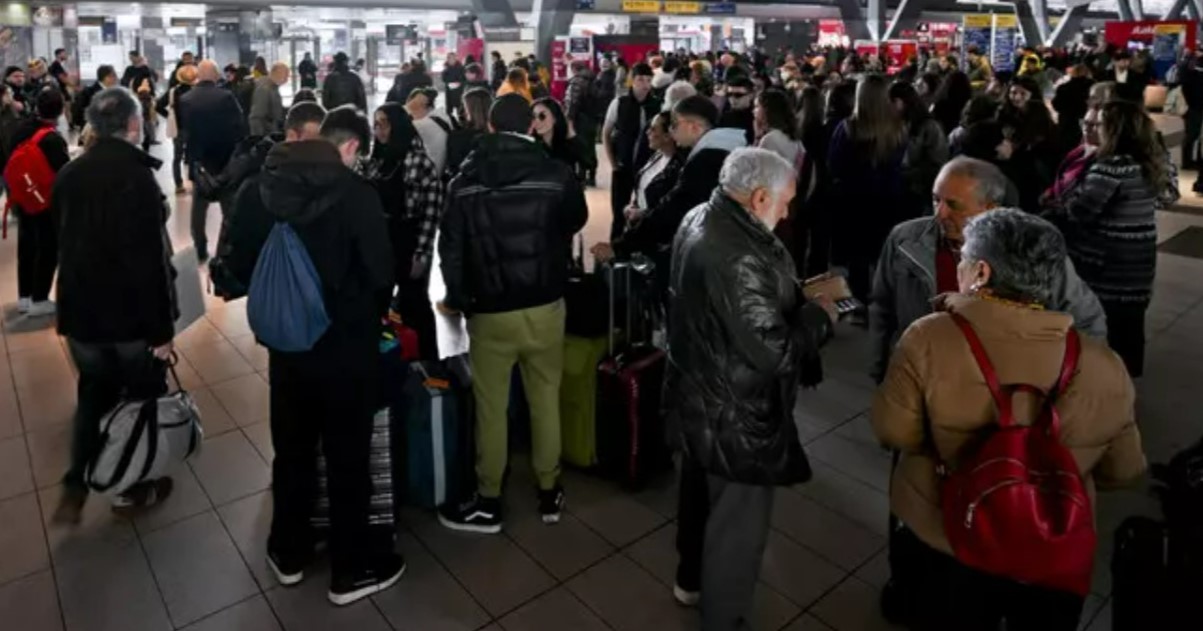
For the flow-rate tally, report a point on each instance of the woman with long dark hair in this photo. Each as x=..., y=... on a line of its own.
x=927, y=149
x=776, y=126
x=866, y=157
x=954, y=92
x=1110, y=224
x=1036, y=150
x=554, y=133
x=412, y=195
x=475, y=123
x=819, y=122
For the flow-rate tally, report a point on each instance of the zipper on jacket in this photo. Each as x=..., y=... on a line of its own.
x=972, y=508
x=914, y=260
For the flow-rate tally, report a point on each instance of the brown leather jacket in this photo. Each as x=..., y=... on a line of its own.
x=934, y=400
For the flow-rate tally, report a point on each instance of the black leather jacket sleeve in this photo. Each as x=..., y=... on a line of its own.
x=451, y=249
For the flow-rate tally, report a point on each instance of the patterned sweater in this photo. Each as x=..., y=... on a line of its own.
x=1110, y=228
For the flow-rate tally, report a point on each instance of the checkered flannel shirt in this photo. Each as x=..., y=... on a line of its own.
x=424, y=191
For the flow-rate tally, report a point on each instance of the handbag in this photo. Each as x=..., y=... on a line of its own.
x=143, y=439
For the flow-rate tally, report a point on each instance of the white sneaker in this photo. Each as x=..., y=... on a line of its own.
x=686, y=598
x=23, y=305
x=43, y=308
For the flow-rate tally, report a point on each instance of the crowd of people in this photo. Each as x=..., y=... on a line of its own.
x=950, y=195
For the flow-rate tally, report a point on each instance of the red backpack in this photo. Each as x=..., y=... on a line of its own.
x=28, y=177
x=1016, y=506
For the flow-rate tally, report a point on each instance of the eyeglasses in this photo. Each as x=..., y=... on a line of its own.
x=737, y=95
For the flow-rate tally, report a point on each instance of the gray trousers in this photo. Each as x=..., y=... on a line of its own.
x=736, y=528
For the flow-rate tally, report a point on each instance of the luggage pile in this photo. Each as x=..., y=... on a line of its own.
x=1157, y=566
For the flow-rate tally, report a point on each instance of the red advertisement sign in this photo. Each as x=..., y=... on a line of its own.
x=898, y=51
x=1144, y=31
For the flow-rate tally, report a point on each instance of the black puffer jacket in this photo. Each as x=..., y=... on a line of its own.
x=740, y=336
x=507, y=232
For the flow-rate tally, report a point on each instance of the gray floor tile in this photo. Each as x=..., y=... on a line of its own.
x=427, y=598
x=869, y=464
x=201, y=333
x=197, y=567
x=187, y=499
x=613, y=514
x=797, y=573
x=563, y=549
x=657, y=553
x=771, y=610
x=217, y=361
x=16, y=476
x=229, y=468
x=851, y=498
x=10, y=411
x=245, y=398
x=493, y=568
x=630, y=599
x=214, y=418
x=98, y=530
x=260, y=435
x=305, y=608
x=1102, y=620
x=48, y=404
x=852, y=605
x=89, y=588
x=877, y=571
x=31, y=604
x=249, y=615
x=248, y=521
x=49, y=453
x=553, y=611
x=1090, y=610
x=836, y=538
x=255, y=354
x=808, y=623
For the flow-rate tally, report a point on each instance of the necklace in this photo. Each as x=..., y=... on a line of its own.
x=988, y=296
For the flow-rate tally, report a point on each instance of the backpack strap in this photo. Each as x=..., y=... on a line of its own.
x=40, y=134
x=1006, y=417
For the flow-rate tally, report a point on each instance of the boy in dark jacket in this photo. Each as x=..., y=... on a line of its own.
x=329, y=392
x=37, y=234
x=116, y=295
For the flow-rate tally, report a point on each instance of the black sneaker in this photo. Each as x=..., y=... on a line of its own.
x=550, y=504
x=478, y=514
x=345, y=590
x=288, y=574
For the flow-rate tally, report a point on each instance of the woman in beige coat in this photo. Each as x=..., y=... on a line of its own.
x=934, y=402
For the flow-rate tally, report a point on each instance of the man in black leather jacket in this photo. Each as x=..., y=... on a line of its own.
x=505, y=249
x=343, y=87
x=742, y=339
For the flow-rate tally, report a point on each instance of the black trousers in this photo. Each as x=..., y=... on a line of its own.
x=108, y=373
x=1193, y=121
x=622, y=185
x=412, y=301
x=200, y=215
x=328, y=393
x=943, y=595
x=177, y=161
x=722, y=530
x=1126, y=333
x=37, y=254
x=586, y=128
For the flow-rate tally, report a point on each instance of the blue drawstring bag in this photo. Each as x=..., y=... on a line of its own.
x=284, y=305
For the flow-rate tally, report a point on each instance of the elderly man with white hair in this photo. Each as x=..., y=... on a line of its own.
x=742, y=340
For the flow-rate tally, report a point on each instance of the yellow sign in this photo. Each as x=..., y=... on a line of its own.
x=675, y=6
x=641, y=6
x=1169, y=29
x=1006, y=21
x=977, y=21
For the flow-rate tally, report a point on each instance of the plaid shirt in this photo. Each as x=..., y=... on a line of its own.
x=424, y=192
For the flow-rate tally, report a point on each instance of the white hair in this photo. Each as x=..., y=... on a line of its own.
x=749, y=169
x=677, y=92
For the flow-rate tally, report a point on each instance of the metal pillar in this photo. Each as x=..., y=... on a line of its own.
x=854, y=19
x=875, y=19
x=1125, y=10
x=1175, y=11
x=493, y=13
x=552, y=18
x=1029, y=24
x=906, y=16
x=1071, y=22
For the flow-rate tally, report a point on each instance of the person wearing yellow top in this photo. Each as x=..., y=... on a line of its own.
x=516, y=82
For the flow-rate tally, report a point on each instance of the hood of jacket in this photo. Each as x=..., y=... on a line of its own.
x=724, y=138
x=501, y=159
x=302, y=180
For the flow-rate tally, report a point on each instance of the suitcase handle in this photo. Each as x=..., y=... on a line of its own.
x=614, y=265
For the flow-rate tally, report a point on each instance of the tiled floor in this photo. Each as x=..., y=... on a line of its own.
x=197, y=562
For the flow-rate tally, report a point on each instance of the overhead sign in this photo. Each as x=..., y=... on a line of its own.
x=641, y=6
x=720, y=8
x=586, y=5
x=674, y=6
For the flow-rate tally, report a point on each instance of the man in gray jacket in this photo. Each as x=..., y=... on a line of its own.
x=920, y=257
x=267, y=108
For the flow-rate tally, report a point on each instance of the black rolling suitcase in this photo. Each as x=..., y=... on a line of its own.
x=631, y=442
